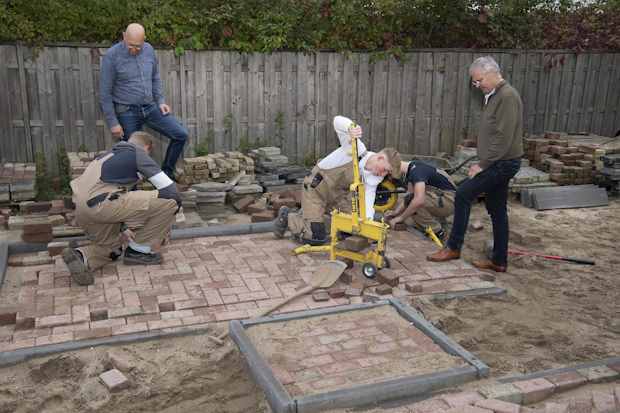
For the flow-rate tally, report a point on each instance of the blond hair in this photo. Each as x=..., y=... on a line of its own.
x=143, y=139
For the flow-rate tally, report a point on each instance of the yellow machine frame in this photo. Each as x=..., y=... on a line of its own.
x=355, y=223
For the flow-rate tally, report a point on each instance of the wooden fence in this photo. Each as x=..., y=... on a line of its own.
x=422, y=104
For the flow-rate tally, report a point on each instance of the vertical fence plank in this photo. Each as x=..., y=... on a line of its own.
x=202, y=103
x=364, y=97
x=219, y=128
x=25, y=104
x=594, y=68
x=576, y=96
x=603, y=93
x=613, y=110
x=379, y=97
x=335, y=90
x=407, y=103
x=305, y=146
x=394, y=93
x=89, y=104
x=271, y=107
x=424, y=96
x=447, y=135
x=439, y=67
x=287, y=104
x=7, y=144
x=462, y=98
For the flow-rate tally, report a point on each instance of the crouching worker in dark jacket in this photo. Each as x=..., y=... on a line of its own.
x=105, y=206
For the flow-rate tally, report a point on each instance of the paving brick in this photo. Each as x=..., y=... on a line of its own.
x=467, y=409
x=98, y=314
x=414, y=288
x=462, y=398
x=598, y=374
x=556, y=408
x=124, y=312
x=165, y=307
x=114, y=380
x=320, y=295
x=264, y=216
x=8, y=315
x=429, y=406
x=566, y=381
x=316, y=361
x=353, y=292
x=93, y=333
x=534, y=390
x=504, y=392
x=53, y=320
x=157, y=325
x=336, y=292
x=53, y=339
x=243, y=204
x=177, y=314
x=617, y=394
x=129, y=329
x=389, y=277
x=189, y=304
x=604, y=402
x=383, y=289
x=499, y=406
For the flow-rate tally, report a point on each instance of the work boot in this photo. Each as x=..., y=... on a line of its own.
x=77, y=267
x=133, y=257
x=488, y=265
x=445, y=254
x=281, y=222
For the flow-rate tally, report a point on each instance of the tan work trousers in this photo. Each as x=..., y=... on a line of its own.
x=149, y=217
x=316, y=202
x=432, y=214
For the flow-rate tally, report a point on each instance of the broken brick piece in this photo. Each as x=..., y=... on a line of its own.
x=383, y=289
x=264, y=216
x=114, y=380
x=255, y=208
x=243, y=204
x=336, y=292
x=279, y=202
x=414, y=287
x=320, y=295
x=388, y=277
x=353, y=292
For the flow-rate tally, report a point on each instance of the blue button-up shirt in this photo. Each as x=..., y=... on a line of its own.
x=128, y=80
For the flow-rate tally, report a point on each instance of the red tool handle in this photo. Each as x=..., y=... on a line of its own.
x=553, y=257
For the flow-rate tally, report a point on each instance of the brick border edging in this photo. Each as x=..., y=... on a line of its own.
x=550, y=372
x=281, y=401
x=9, y=358
x=10, y=248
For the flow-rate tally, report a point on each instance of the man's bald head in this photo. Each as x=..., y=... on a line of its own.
x=134, y=38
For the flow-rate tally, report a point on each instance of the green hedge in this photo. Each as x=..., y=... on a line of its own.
x=306, y=25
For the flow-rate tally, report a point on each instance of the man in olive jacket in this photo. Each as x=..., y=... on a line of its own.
x=500, y=148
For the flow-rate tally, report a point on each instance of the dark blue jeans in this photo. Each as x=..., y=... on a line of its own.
x=492, y=181
x=136, y=116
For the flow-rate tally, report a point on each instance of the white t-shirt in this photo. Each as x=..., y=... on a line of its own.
x=342, y=156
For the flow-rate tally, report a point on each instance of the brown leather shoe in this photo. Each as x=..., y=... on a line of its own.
x=445, y=254
x=488, y=265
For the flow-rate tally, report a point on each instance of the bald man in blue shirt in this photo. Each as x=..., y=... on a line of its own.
x=131, y=94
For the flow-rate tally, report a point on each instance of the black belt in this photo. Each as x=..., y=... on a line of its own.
x=97, y=199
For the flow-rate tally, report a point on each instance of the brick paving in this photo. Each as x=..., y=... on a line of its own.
x=329, y=352
x=202, y=280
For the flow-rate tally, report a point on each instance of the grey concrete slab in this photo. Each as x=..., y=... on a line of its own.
x=573, y=196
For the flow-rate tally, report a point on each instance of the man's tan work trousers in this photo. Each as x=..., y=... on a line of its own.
x=434, y=212
x=323, y=190
x=149, y=217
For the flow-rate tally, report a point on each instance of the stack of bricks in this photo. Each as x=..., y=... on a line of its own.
x=17, y=181
x=566, y=164
x=218, y=167
x=79, y=161
x=39, y=218
x=268, y=159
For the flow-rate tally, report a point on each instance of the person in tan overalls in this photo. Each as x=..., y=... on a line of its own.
x=104, y=204
x=327, y=187
x=429, y=200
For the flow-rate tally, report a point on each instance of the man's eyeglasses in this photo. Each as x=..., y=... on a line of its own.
x=134, y=46
x=476, y=83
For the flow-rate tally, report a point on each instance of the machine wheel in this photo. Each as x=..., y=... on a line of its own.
x=369, y=270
